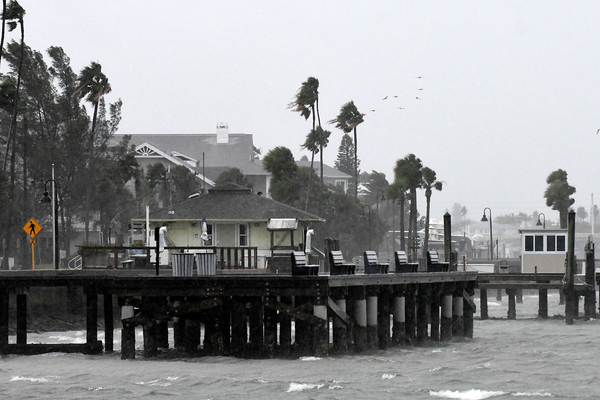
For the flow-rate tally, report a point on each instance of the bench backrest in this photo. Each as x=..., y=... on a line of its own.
x=336, y=257
x=401, y=257
x=433, y=257
x=370, y=257
x=299, y=258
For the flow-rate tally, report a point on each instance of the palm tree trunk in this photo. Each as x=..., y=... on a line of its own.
x=426, y=240
x=355, y=167
x=312, y=160
x=402, y=239
x=3, y=29
x=320, y=139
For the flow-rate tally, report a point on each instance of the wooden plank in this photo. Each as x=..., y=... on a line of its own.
x=338, y=311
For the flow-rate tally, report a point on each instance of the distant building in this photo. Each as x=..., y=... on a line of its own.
x=545, y=249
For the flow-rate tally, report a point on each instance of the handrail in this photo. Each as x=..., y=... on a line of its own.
x=75, y=263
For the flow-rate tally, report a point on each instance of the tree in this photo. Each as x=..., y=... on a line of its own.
x=14, y=14
x=558, y=194
x=582, y=213
x=306, y=103
x=234, y=175
x=345, y=157
x=397, y=191
x=347, y=120
x=284, y=170
x=409, y=170
x=430, y=182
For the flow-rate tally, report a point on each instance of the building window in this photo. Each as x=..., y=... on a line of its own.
x=208, y=238
x=561, y=243
x=551, y=243
x=539, y=243
x=243, y=235
x=528, y=243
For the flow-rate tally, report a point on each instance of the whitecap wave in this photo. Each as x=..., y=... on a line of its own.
x=310, y=358
x=473, y=394
x=29, y=379
x=388, y=376
x=534, y=394
x=300, y=387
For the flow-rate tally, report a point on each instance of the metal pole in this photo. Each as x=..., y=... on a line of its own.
x=55, y=221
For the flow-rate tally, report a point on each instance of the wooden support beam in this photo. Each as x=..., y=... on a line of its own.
x=358, y=297
x=422, y=299
x=410, y=313
x=543, y=303
x=512, y=303
x=320, y=329
x=239, y=332
x=457, y=312
x=341, y=320
x=4, y=299
x=21, y=318
x=434, y=312
x=446, y=325
x=483, y=303
x=383, y=316
x=91, y=315
x=270, y=322
x=469, y=309
x=399, y=319
x=285, y=327
x=372, y=319
x=109, y=324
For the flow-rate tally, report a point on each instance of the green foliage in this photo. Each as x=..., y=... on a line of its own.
x=345, y=157
x=234, y=175
x=558, y=194
x=280, y=163
x=348, y=118
x=582, y=213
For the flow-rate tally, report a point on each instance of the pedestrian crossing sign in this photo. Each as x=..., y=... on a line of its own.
x=32, y=228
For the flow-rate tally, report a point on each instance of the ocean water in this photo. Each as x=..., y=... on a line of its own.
x=523, y=358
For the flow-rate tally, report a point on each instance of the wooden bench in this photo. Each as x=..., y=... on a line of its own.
x=434, y=264
x=337, y=265
x=402, y=264
x=299, y=266
x=372, y=266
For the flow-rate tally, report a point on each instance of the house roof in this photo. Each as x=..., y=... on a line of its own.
x=230, y=202
x=328, y=172
x=239, y=149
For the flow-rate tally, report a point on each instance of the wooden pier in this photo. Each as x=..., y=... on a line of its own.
x=253, y=315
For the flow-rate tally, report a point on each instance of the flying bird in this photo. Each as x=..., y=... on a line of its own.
x=395, y=97
x=372, y=110
x=597, y=131
x=418, y=98
x=419, y=89
x=419, y=77
x=401, y=108
x=385, y=97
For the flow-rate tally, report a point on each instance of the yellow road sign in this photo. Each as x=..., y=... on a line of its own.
x=32, y=228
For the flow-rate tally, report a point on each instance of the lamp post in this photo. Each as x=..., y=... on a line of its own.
x=47, y=200
x=484, y=219
x=539, y=223
x=362, y=216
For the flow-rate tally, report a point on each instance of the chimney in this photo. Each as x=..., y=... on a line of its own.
x=222, y=132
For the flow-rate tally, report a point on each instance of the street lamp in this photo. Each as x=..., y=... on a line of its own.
x=47, y=200
x=484, y=219
x=539, y=223
x=362, y=216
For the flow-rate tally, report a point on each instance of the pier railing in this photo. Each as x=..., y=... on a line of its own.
x=140, y=256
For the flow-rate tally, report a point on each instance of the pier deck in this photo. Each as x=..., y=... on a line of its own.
x=253, y=315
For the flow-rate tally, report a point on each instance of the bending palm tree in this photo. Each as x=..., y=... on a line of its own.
x=430, y=182
x=409, y=169
x=14, y=14
x=397, y=192
x=347, y=120
x=92, y=84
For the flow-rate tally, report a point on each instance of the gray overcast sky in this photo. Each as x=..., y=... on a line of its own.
x=510, y=89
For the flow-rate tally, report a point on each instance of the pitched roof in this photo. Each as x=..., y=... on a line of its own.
x=230, y=202
x=328, y=172
x=239, y=149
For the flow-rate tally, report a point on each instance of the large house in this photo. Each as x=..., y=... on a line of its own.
x=234, y=218
x=207, y=155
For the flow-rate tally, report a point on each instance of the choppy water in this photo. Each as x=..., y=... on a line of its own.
x=506, y=360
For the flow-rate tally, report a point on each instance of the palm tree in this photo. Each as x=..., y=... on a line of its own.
x=430, y=182
x=397, y=192
x=307, y=103
x=409, y=169
x=3, y=28
x=558, y=194
x=347, y=120
x=92, y=84
x=14, y=14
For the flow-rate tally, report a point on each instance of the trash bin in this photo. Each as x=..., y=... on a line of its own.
x=207, y=263
x=183, y=264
